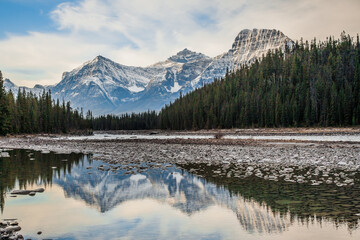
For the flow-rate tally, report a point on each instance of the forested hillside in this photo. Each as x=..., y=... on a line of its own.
x=316, y=84
x=28, y=113
x=312, y=84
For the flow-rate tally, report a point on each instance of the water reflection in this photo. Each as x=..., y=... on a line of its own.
x=105, y=190
x=162, y=201
x=25, y=168
x=301, y=201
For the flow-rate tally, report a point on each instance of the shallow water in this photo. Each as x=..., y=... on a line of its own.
x=88, y=199
x=320, y=138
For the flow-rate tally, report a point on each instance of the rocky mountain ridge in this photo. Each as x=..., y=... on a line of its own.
x=104, y=86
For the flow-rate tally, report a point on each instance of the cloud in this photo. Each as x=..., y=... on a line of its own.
x=42, y=57
x=140, y=32
x=146, y=24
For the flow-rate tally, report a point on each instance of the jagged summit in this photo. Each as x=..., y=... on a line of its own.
x=94, y=65
x=10, y=86
x=186, y=56
x=8, y=83
x=39, y=86
x=184, y=52
x=100, y=58
x=253, y=44
x=259, y=36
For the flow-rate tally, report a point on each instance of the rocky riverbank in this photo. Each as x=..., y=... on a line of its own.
x=304, y=162
x=9, y=230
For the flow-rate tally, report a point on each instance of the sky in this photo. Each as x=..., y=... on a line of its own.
x=41, y=39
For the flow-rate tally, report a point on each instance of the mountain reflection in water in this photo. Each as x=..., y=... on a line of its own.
x=105, y=190
x=260, y=207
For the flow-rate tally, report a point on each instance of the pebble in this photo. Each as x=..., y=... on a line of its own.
x=10, y=229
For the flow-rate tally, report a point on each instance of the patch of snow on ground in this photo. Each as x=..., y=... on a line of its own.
x=127, y=136
x=327, y=138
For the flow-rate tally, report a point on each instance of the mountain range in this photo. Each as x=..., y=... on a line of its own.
x=104, y=86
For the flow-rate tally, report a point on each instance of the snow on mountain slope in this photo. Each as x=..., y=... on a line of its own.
x=253, y=44
x=248, y=46
x=184, y=65
x=104, y=86
x=37, y=89
x=175, y=76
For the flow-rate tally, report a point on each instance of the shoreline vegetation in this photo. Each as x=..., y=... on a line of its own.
x=314, y=84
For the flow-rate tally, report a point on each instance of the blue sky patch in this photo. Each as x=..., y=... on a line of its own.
x=204, y=19
x=21, y=16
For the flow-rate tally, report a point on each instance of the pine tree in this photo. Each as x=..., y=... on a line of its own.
x=4, y=111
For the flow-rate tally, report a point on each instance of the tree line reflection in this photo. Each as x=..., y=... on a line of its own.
x=26, y=168
x=260, y=205
x=301, y=202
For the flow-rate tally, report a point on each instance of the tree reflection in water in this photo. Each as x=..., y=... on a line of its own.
x=302, y=202
x=261, y=206
x=25, y=168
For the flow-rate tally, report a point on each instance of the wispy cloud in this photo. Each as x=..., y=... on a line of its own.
x=142, y=32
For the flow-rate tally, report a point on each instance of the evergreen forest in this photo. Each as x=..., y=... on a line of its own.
x=28, y=113
x=311, y=84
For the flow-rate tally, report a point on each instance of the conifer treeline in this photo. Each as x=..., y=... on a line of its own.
x=28, y=113
x=140, y=121
x=312, y=84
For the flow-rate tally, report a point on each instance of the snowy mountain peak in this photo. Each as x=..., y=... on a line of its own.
x=105, y=86
x=186, y=56
x=259, y=39
x=8, y=83
x=253, y=44
x=99, y=66
x=99, y=61
x=10, y=86
x=39, y=86
x=100, y=58
x=185, y=52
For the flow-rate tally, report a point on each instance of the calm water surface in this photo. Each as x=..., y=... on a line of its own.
x=166, y=202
